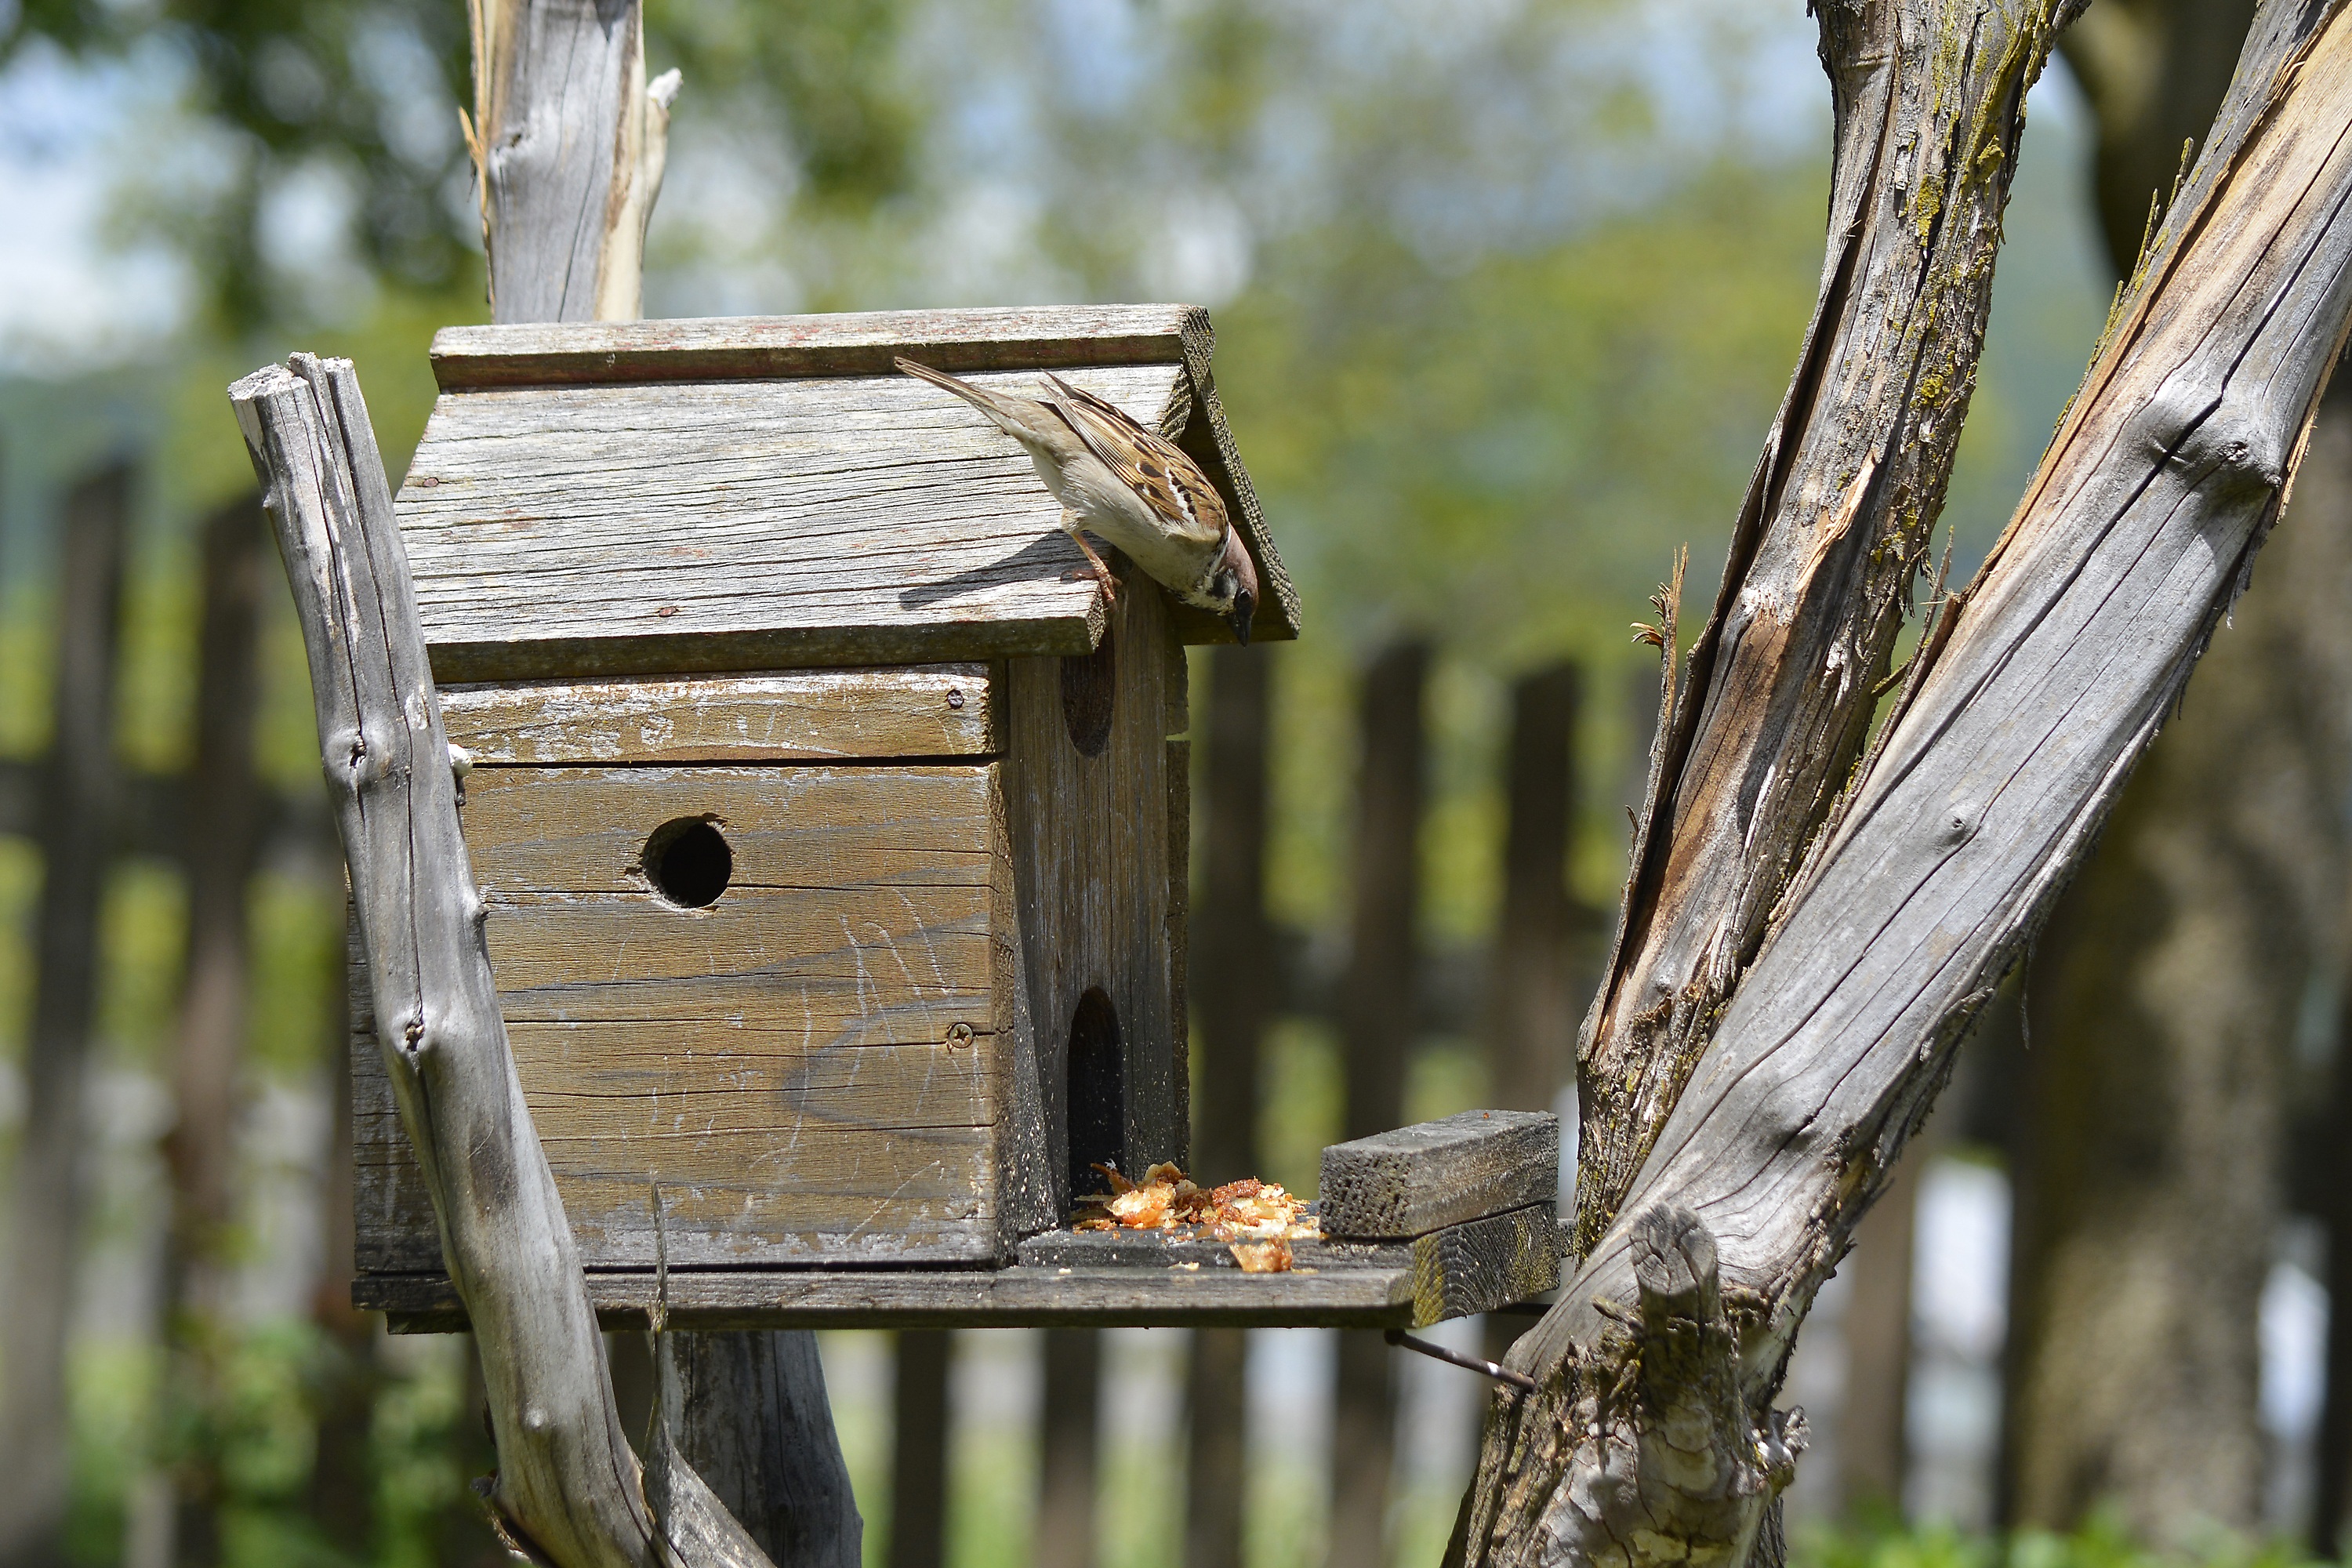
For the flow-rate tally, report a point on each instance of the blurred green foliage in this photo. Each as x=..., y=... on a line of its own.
x=1885, y=1541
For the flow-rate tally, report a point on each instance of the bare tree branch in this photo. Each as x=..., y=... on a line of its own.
x=568, y=1487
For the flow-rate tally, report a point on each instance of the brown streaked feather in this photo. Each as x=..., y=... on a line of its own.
x=1151, y=465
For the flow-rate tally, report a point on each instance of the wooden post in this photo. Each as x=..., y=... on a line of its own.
x=568, y=142
x=784, y=1478
x=2331, y=1521
x=1531, y=1029
x=1065, y=1458
x=918, y=1447
x=77, y=794
x=223, y=836
x=342, y=1474
x=1232, y=984
x=1377, y=1018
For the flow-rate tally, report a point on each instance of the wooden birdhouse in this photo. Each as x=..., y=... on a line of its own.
x=832, y=825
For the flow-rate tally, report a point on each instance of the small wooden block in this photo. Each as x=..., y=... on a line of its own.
x=806, y=715
x=1416, y=1179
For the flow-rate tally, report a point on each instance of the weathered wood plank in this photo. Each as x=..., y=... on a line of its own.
x=756, y=525
x=814, y=1066
x=755, y=348
x=951, y=1298
x=1489, y=1262
x=1097, y=892
x=1457, y=1269
x=810, y=715
x=742, y=1184
x=1417, y=1179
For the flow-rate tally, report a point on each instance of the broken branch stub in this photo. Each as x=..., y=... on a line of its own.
x=568, y=1487
x=569, y=143
x=1772, y=711
x=1669, y=1464
x=1989, y=784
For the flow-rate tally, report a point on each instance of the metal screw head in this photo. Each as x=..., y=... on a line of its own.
x=958, y=1035
x=955, y=698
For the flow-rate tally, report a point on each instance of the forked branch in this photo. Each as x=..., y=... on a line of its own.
x=2010, y=745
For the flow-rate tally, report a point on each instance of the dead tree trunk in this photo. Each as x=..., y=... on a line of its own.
x=569, y=143
x=77, y=795
x=224, y=800
x=1650, y=1438
x=1232, y=983
x=1378, y=1007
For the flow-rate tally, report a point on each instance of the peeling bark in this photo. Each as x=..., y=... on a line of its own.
x=1930, y=105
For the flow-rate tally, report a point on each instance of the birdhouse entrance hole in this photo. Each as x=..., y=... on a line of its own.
x=1087, y=686
x=687, y=862
x=1098, y=1091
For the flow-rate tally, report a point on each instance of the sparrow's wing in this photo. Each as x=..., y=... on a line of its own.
x=1168, y=482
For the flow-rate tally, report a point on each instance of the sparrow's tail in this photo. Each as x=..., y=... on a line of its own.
x=1012, y=415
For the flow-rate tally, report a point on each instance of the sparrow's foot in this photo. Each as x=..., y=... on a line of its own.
x=1099, y=575
x=1094, y=568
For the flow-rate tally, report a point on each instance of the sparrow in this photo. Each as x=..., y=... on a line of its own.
x=1131, y=486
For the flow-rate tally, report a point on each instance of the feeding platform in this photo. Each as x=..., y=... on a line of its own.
x=832, y=827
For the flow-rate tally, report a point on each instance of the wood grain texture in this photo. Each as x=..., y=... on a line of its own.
x=1099, y=899
x=809, y=715
x=1991, y=778
x=812, y=1066
x=1780, y=685
x=568, y=149
x=757, y=525
x=1463, y=1269
x=552, y=352
x=782, y=1474
x=822, y=470
x=1419, y=1178
x=567, y=1481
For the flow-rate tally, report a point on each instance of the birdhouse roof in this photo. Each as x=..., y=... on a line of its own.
x=767, y=492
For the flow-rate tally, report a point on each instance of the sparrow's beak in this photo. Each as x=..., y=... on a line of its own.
x=1243, y=603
